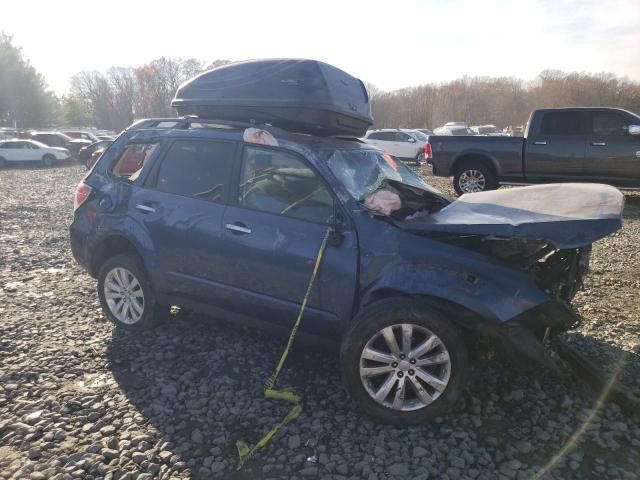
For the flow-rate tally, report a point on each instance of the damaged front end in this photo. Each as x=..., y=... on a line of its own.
x=546, y=232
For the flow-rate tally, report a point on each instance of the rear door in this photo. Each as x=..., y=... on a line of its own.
x=272, y=230
x=556, y=149
x=181, y=206
x=612, y=154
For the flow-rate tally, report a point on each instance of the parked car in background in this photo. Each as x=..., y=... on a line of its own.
x=76, y=144
x=20, y=150
x=456, y=124
x=454, y=131
x=490, y=130
x=560, y=145
x=405, y=144
x=81, y=134
x=85, y=153
x=8, y=133
x=51, y=139
x=95, y=156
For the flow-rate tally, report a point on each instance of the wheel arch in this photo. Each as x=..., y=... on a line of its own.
x=109, y=246
x=458, y=313
x=476, y=156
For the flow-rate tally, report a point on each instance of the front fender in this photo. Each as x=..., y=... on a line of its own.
x=495, y=294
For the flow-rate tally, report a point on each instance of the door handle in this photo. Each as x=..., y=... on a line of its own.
x=145, y=208
x=237, y=228
x=540, y=143
x=599, y=144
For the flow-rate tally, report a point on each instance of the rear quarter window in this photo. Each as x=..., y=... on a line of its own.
x=132, y=160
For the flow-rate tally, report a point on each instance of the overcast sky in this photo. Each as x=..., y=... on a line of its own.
x=392, y=44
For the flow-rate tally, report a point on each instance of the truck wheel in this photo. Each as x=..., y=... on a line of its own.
x=126, y=293
x=402, y=362
x=474, y=176
x=48, y=160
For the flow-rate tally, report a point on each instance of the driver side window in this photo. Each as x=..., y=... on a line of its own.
x=279, y=182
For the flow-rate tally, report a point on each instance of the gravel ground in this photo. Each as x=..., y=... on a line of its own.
x=79, y=400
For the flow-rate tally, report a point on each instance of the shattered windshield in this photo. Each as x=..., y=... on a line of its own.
x=362, y=172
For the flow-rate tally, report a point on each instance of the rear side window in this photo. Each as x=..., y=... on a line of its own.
x=609, y=124
x=132, y=160
x=197, y=169
x=561, y=123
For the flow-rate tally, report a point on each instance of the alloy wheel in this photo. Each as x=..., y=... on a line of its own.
x=472, y=181
x=124, y=296
x=405, y=367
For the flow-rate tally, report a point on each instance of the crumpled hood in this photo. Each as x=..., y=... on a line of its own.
x=568, y=215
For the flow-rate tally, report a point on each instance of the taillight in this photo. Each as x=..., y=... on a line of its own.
x=427, y=151
x=83, y=191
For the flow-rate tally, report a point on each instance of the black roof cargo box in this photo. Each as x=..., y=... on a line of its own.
x=297, y=95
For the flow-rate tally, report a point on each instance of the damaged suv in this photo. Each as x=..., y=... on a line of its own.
x=213, y=220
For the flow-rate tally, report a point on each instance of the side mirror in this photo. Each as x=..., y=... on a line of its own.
x=411, y=140
x=634, y=129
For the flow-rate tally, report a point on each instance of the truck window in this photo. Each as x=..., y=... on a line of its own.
x=609, y=124
x=561, y=123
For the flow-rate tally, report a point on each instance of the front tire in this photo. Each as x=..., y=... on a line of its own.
x=402, y=362
x=126, y=294
x=474, y=176
x=49, y=160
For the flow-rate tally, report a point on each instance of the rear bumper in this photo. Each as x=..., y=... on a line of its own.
x=80, y=247
x=440, y=169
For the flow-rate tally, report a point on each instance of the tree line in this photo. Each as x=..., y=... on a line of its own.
x=500, y=101
x=111, y=100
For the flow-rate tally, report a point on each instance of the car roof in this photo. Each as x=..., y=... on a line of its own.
x=229, y=132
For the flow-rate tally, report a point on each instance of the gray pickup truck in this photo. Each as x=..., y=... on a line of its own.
x=560, y=145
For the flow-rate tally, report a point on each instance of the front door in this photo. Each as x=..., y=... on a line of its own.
x=271, y=236
x=612, y=154
x=557, y=150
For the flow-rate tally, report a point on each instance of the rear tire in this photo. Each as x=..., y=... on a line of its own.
x=474, y=176
x=420, y=160
x=49, y=160
x=415, y=384
x=126, y=294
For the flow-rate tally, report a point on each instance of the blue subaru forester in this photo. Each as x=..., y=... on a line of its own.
x=188, y=212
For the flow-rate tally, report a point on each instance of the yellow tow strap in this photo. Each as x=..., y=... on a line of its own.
x=245, y=452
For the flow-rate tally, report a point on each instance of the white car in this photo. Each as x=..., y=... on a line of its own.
x=455, y=131
x=20, y=150
x=405, y=144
